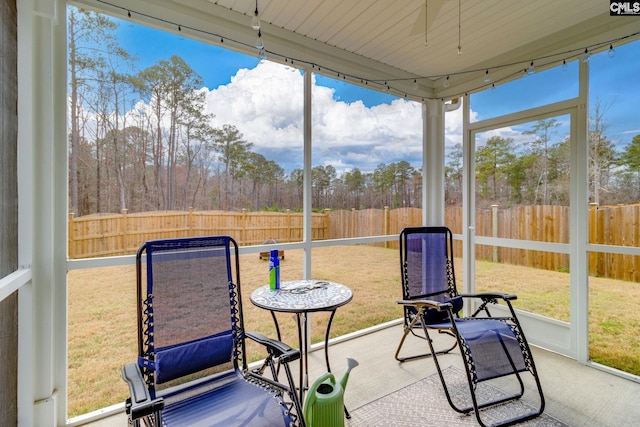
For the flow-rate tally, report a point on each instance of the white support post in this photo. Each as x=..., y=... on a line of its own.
x=307, y=195
x=468, y=202
x=307, y=233
x=42, y=168
x=579, y=226
x=433, y=162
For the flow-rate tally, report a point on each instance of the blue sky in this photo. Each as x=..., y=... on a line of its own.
x=249, y=95
x=611, y=84
x=216, y=64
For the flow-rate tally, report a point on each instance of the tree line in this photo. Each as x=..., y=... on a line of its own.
x=538, y=172
x=139, y=140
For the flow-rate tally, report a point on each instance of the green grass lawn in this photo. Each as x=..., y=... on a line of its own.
x=102, y=323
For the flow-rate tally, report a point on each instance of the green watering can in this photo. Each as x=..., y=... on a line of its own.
x=324, y=403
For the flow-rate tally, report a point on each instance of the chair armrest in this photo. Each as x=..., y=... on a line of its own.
x=428, y=303
x=139, y=404
x=276, y=348
x=492, y=295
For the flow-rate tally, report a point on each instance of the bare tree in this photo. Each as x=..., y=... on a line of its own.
x=544, y=130
x=601, y=153
x=233, y=151
x=89, y=37
x=173, y=88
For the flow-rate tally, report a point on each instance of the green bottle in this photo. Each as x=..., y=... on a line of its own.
x=274, y=270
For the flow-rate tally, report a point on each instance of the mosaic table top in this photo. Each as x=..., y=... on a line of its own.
x=302, y=296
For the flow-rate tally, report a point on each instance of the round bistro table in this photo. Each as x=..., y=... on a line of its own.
x=302, y=297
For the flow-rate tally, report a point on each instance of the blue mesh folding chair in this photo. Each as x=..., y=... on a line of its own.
x=491, y=347
x=192, y=368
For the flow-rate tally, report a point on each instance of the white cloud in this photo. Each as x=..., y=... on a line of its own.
x=266, y=104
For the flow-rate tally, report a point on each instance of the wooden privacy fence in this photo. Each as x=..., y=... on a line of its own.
x=372, y=222
x=619, y=226
x=537, y=223
x=608, y=225
x=119, y=234
x=122, y=234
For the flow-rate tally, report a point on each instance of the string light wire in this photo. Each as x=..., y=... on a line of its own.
x=426, y=22
x=385, y=84
x=459, y=28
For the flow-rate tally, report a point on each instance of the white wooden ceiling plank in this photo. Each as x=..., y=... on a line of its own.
x=493, y=32
x=386, y=31
x=291, y=14
x=334, y=20
x=370, y=20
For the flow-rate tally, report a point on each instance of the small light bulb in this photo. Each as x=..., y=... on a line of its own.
x=415, y=84
x=532, y=69
x=585, y=56
x=487, y=79
x=446, y=82
x=612, y=53
x=459, y=50
x=262, y=55
x=255, y=21
x=564, y=65
x=259, y=42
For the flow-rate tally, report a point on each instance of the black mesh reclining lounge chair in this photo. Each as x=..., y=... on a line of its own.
x=190, y=321
x=491, y=347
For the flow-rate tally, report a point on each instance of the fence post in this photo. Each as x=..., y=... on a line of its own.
x=123, y=232
x=190, y=222
x=352, y=227
x=243, y=234
x=595, y=259
x=327, y=229
x=288, y=225
x=593, y=223
x=494, y=229
x=72, y=236
x=386, y=225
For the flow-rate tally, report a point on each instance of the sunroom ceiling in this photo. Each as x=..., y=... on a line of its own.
x=384, y=40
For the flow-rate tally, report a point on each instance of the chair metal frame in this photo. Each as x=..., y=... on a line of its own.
x=440, y=311
x=147, y=404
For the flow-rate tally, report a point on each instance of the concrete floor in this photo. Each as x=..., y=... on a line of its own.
x=575, y=394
